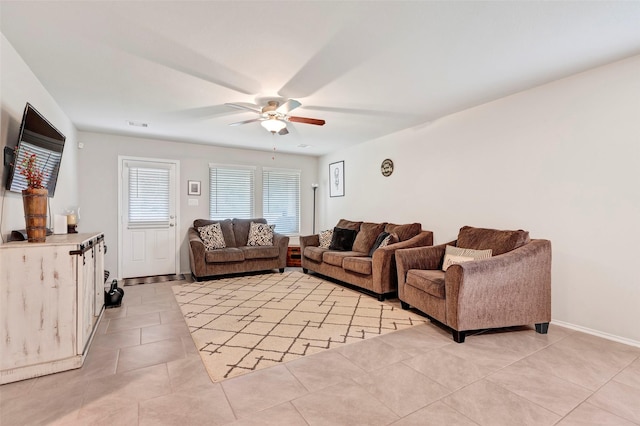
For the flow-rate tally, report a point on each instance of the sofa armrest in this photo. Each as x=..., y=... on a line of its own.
x=420, y=258
x=513, y=288
x=282, y=242
x=196, y=253
x=383, y=261
x=309, y=240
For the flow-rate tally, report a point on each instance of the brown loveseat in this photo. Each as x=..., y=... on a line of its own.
x=511, y=288
x=236, y=257
x=375, y=273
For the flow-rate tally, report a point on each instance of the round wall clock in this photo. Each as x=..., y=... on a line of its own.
x=386, y=168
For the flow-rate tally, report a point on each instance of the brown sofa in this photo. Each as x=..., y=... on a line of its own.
x=236, y=257
x=375, y=273
x=511, y=288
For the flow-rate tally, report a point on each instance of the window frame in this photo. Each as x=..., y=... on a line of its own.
x=290, y=173
x=214, y=192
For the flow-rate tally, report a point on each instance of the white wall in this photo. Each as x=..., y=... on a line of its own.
x=98, y=166
x=18, y=85
x=561, y=161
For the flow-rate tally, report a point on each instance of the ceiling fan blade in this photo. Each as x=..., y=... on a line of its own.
x=290, y=105
x=284, y=131
x=358, y=111
x=305, y=120
x=245, y=106
x=253, y=120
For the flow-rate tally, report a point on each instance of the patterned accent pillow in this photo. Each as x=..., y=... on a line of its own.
x=212, y=236
x=454, y=255
x=325, y=238
x=383, y=240
x=260, y=234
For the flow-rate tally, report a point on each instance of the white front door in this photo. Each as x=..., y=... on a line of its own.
x=148, y=208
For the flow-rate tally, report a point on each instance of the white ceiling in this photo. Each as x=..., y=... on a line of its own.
x=367, y=68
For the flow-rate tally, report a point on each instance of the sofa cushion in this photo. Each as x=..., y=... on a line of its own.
x=260, y=234
x=336, y=257
x=260, y=252
x=361, y=265
x=314, y=253
x=342, y=239
x=241, y=230
x=453, y=255
x=430, y=281
x=325, y=238
x=383, y=240
x=226, y=226
x=404, y=232
x=229, y=254
x=367, y=236
x=498, y=241
x=348, y=224
x=211, y=236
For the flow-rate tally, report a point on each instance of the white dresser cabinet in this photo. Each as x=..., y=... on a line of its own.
x=51, y=299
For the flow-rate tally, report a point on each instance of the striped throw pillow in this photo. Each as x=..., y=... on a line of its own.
x=454, y=255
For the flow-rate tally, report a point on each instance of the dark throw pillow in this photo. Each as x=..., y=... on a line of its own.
x=343, y=239
x=383, y=240
x=379, y=241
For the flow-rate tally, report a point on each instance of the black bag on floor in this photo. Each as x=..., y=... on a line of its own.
x=113, y=297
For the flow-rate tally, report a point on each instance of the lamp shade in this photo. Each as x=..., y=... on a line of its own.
x=273, y=125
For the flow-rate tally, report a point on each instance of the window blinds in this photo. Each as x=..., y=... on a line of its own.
x=281, y=199
x=148, y=196
x=231, y=190
x=46, y=160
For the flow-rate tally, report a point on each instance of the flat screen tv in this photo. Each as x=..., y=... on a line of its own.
x=37, y=136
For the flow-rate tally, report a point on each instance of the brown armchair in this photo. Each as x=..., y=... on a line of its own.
x=513, y=287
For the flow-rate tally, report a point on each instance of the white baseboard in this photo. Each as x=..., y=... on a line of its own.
x=598, y=333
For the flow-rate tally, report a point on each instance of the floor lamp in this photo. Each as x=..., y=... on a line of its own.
x=314, y=186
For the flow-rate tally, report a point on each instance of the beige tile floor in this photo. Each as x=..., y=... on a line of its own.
x=143, y=369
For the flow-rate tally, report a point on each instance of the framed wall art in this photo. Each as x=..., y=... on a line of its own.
x=194, y=187
x=336, y=179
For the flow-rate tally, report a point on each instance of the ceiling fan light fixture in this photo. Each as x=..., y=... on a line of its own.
x=273, y=125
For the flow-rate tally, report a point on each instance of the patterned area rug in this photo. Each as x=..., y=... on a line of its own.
x=243, y=324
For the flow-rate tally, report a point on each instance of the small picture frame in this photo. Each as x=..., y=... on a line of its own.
x=336, y=179
x=193, y=187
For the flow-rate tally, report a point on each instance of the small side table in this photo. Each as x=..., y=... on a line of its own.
x=294, y=257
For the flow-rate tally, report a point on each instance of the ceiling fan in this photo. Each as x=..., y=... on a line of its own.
x=274, y=116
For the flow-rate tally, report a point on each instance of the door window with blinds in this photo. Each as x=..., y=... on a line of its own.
x=149, y=196
x=281, y=199
x=231, y=191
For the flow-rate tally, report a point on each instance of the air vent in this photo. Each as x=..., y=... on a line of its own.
x=137, y=124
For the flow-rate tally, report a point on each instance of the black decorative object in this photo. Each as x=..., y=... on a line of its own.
x=113, y=297
x=386, y=168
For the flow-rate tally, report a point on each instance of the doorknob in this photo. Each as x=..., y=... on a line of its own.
x=171, y=224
